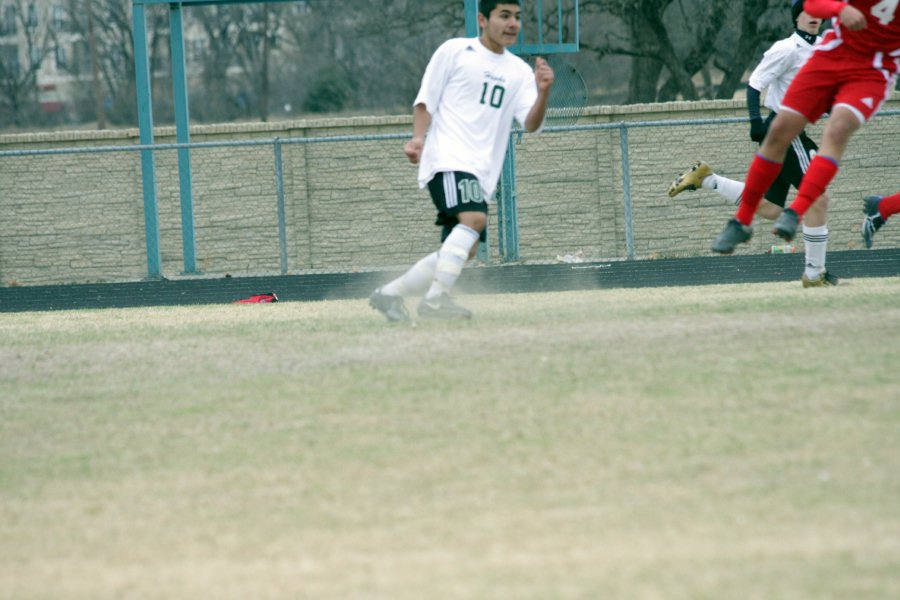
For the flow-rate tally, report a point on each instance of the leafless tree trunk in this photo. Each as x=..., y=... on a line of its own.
x=95, y=68
x=18, y=81
x=671, y=41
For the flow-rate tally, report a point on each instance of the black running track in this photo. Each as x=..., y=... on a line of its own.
x=499, y=279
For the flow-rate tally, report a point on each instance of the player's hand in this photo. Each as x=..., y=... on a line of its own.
x=543, y=75
x=757, y=130
x=852, y=18
x=413, y=149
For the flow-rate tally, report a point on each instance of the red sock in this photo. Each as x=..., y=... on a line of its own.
x=760, y=176
x=819, y=174
x=889, y=205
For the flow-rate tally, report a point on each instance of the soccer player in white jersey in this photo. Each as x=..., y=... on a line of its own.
x=773, y=74
x=472, y=90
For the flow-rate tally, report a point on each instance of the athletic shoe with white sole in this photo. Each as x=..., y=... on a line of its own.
x=442, y=307
x=392, y=307
x=734, y=233
x=826, y=279
x=873, y=220
x=692, y=179
x=786, y=225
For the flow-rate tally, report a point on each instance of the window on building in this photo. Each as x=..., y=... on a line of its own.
x=81, y=60
x=60, y=18
x=62, y=58
x=32, y=15
x=9, y=56
x=36, y=57
x=9, y=26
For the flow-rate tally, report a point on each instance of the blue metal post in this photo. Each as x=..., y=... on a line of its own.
x=500, y=217
x=509, y=214
x=626, y=189
x=145, y=122
x=282, y=227
x=182, y=136
x=540, y=20
x=471, y=8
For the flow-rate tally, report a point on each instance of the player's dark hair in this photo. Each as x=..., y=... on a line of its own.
x=796, y=9
x=486, y=6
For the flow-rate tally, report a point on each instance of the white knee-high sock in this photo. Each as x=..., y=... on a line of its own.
x=815, y=240
x=730, y=189
x=452, y=256
x=416, y=280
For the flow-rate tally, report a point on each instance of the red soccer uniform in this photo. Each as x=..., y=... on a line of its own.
x=854, y=69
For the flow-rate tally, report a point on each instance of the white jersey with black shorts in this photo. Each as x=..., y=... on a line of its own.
x=473, y=95
x=774, y=74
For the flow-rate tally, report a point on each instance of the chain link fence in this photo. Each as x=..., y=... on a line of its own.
x=350, y=203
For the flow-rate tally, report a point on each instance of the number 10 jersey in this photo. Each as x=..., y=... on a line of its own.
x=473, y=96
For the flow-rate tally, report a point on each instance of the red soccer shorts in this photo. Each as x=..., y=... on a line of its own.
x=835, y=77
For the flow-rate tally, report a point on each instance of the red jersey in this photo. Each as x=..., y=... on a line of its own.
x=881, y=34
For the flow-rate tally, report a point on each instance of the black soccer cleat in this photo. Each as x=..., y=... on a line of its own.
x=786, y=225
x=873, y=220
x=391, y=307
x=442, y=307
x=734, y=233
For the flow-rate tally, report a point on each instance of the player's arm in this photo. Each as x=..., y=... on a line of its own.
x=437, y=73
x=851, y=17
x=543, y=78
x=771, y=67
x=757, y=126
x=421, y=123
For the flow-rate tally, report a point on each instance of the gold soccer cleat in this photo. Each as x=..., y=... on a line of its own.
x=690, y=179
x=826, y=279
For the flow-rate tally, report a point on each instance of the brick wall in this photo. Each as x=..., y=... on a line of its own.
x=355, y=205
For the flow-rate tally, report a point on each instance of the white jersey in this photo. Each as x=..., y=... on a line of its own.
x=472, y=95
x=778, y=67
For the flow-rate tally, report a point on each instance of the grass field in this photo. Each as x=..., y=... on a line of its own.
x=671, y=443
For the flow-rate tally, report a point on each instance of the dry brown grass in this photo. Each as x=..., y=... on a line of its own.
x=672, y=443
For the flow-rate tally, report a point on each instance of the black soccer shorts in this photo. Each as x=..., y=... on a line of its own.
x=454, y=192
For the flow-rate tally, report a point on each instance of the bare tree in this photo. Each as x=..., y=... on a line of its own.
x=248, y=60
x=235, y=64
x=373, y=55
x=108, y=23
x=214, y=59
x=761, y=23
x=671, y=41
x=19, y=65
x=255, y=37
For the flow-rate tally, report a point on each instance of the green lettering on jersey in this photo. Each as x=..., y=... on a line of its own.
x=496, y=96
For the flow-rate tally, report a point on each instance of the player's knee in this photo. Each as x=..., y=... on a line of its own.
x=839, y=128
x=474, y=220
x=779, y=138
x=783, y=130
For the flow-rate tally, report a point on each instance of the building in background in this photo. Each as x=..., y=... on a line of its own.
x=41, y=54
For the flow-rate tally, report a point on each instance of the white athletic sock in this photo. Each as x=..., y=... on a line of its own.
x=815, y=239
x=416, y=280
x=730, y=189
x=451, y=257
